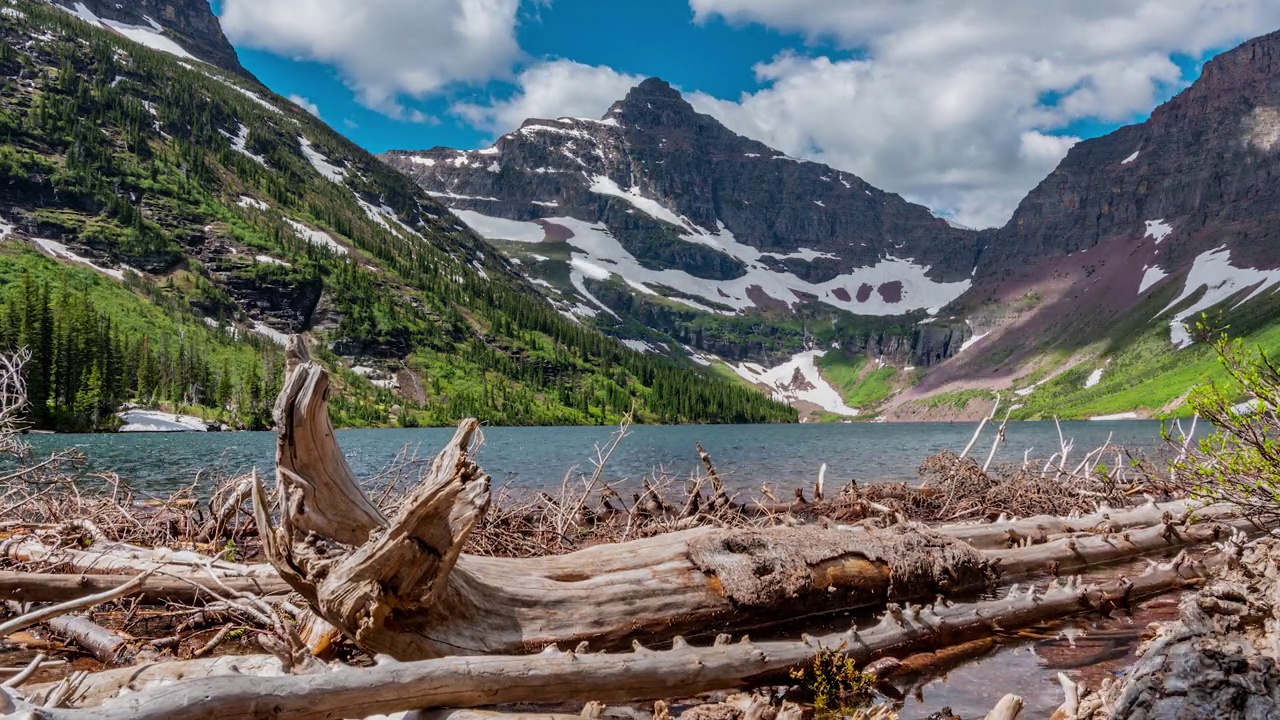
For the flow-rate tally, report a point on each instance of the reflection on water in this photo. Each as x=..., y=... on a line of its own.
x=1090, y=649
x=537, y=458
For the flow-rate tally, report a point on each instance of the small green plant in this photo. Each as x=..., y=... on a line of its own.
x=832, y=681
x=230, y=550
x=1240, y=463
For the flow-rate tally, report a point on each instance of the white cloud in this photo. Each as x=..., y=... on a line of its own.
x=385, y=50
x=961, y=105
x=305, y=104
x=553, y=89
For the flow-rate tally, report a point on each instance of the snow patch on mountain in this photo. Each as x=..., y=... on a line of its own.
x=1158, y=229
x=1094, y=378
x=1131, y=158
x=240, y=143
x=1150, y=276
x=797, y=380
x=898, y=285
x=151, y=36
x=247, y=202
x=1221, y=280
x=316, y=237
x=58, y=250
x=270, y=333
x=493, y=228
x=321, y=163
x=603, y=185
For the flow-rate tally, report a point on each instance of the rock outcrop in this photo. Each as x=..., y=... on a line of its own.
x=190, y=23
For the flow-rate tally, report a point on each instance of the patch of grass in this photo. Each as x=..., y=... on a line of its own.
x=861, y=386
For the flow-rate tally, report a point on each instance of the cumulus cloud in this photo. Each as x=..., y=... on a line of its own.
x=553, y=89
x=963, y=105
x=305, y=104
x=385, y=50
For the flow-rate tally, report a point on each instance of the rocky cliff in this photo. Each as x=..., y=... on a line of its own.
x=671, y=198
x=190, y=23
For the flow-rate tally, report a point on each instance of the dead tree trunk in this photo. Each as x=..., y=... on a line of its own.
x=401, y=585
x=556, y=675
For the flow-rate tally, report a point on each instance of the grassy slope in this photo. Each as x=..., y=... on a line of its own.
x=482, y=344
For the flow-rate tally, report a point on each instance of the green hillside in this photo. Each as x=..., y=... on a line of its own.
x=233, y=217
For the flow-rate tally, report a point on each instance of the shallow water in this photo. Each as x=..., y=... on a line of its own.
x=533, y=459
x=1088, y=648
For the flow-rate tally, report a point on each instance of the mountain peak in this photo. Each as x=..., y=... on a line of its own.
x=652, y=102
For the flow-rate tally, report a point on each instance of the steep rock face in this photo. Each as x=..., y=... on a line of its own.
x=1204, y=165
x=191, y=23
x=676, y=204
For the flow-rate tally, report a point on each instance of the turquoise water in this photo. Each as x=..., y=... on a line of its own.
x=530, y=459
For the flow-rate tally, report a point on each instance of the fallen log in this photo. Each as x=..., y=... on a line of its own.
x=402, y=587
x=108, y=647
x=556, y=676
x=56, y=587
x=122, y=557
x=1012, y=533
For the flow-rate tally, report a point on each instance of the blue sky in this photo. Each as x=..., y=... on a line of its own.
x=962, y=106
x=660, y=39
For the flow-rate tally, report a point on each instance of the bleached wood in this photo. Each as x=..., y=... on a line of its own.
x=48, y=612
x=56, y=587
x=555, y=676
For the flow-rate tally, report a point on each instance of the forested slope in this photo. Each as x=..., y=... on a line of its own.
x=167, y=223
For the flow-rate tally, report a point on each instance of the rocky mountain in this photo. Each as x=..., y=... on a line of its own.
x=661, y=224
x=187, y=219
x=182, y=27
x=664, y=227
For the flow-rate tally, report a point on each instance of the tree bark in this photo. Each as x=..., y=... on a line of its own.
x=556, y=676
x=54, y=587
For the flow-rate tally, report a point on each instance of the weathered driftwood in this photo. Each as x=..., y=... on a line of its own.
x=122, y=557
x=55, y=587
x=402, y=587
x=1076, y=552
x=105, y=645
x=46, y=613
x=1011, y=533
x=555, y=675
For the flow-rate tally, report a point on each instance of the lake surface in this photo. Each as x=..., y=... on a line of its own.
x=531, y=459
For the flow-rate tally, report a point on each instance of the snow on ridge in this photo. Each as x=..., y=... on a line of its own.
x=240, y=143
x=419, y=160
x=152, y=37
x=806, y=254
x=500, y=228
x=973, y=340
x=1158, y=229
x=1131, y=158
x=58, y=250
x=603, y=185
x=316, y=237
x=267, y=259
x=640, y=346
x=331, y=172
x=592, y=242
x=1213, y=271
x=1150, y=276
x=248, y=202
x=797, y=380
x=453, y=196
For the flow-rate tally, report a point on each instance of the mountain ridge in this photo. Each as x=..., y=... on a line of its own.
x=1126, y=216
x=242, y=218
